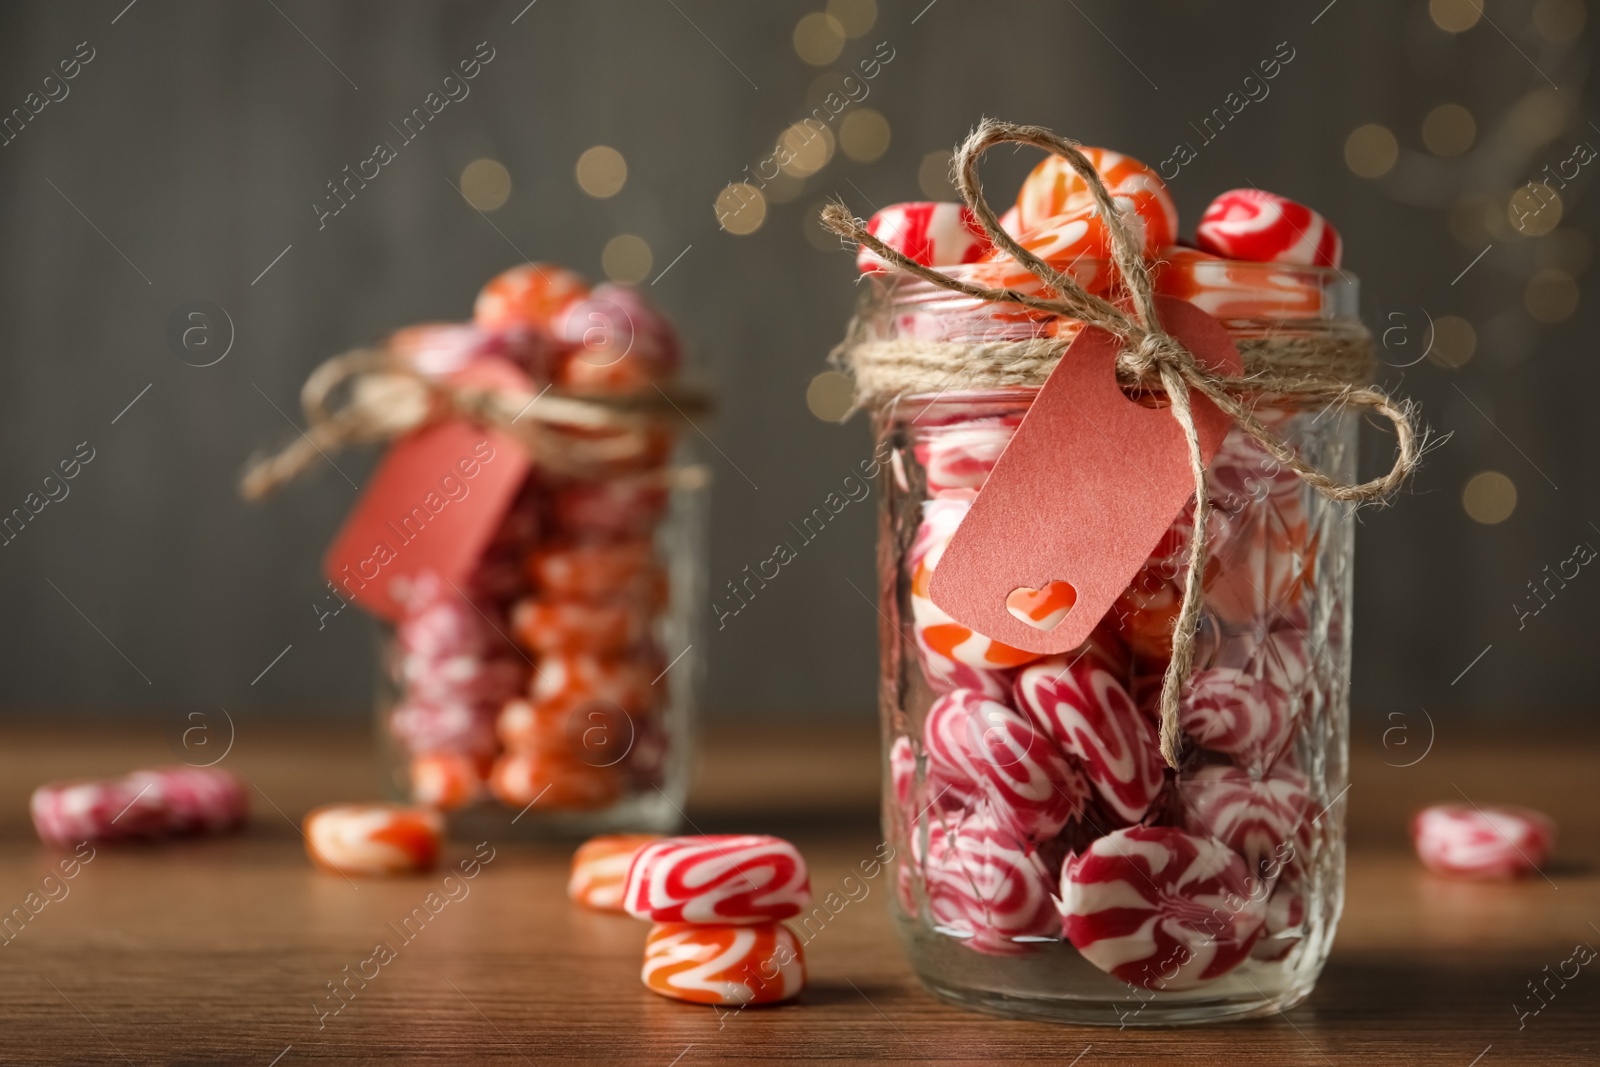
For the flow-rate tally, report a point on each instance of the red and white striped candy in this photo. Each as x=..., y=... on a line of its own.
x=718, y=878
x=600, y=869
x=1490, y=842
x=1285, y=925
x=722, y=964
x=958, y=458
x=446, y=780
x=1240, y=712
x=1267, y=228
x=156, y=803
x=1258, y=817
x=1036, y=789
x=953, y=761
x=1091, y=716
x=934, y=234
x=987, y=888
x=1160, y=908
x=903, y=772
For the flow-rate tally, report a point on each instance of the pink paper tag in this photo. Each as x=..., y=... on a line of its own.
x=1081, y=496
x=433, y=504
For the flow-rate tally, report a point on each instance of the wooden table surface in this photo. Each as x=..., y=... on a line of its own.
x=219, y=951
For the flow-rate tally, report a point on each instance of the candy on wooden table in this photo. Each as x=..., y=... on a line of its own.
x=1267, y=228
x=155, y=803
x=1260, y=817
x=627, y=507
x=373, y=838
x=527, y=295
x=960, y=456
x=987, y=887
x=446, y=780
x=1231, y=289
x=423, y=727
x=724, y=964
x=1473, y=841
x=600, y=869
x=552, y=780
x=549, y=625
x=1160, y=908
x=932, y=233
x=598, y=570
x=1083, y=707
x=718, y=878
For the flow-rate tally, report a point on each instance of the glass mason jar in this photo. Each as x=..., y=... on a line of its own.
x=550, y=695
x=1050, y=865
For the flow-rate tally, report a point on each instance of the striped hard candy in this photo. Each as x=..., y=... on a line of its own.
x=718, y=878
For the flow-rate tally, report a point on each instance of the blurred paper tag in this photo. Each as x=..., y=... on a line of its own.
x=1087, y=487
x=433, y=504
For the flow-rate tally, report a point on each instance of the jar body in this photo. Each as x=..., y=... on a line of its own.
x=1049, y=864
x=555, y=693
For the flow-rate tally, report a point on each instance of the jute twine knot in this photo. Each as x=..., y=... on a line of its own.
x=386, y=399
x=1330, y=370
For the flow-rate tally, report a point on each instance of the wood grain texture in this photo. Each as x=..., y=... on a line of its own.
x=219, y=951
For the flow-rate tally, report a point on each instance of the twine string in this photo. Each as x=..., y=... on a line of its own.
x=1325, y=370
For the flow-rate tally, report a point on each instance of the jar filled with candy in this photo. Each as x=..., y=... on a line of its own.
x=1051, y=863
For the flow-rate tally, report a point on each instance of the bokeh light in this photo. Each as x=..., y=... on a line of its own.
x=741, y=209
x=809, y=146
x=783, y=188
x=1454, y=341
x=1551, y=295
x=855, y=17
x=818, y=38
x=830, y=395
x=1454, y=16
x=602, y=171
x=933, y=176
x=1489, y=497
x=1449, y=130
x=486, y=184
x=1371, y=150
x=1571, y=250
x=864, y=135
x=1559, y=20
x=1534, y=209
x=1537, y=118
x=626, y=259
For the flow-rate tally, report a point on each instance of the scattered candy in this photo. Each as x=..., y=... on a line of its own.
x=718, y=878
x=170, y=801
x=930, y=233
x=600, y=869
x=373, y=838
x=1266, y=228
x=1160, y=908
x=722, y=964
x=1482, y=842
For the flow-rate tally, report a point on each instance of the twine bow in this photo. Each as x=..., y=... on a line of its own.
x=1152, y=357
x=387, y=399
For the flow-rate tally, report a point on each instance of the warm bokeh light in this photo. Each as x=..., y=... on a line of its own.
x=818, y=38
x=1449, y=130
x=741, y=209
x=1538, y=118
x=809, y=146
x=830, y=395
x=933, y=176
x=602, y=171
x=1551, y=295
x=1559, y=20
x=1454, y=16
x=1454, y=341
x=626, y=259
x=864, y=135
x=784, y=188
x=1534, y=210
x=486, y=184
x=1489, y=497
x=1371, y=150
x=855, y=17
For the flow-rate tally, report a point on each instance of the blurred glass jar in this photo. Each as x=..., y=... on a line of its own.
x=1049, y=864
x=543, y=698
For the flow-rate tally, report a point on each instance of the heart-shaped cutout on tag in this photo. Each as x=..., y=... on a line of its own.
x=1043, y=609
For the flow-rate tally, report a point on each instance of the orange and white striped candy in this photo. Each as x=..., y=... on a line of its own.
x=600, y=869
x=1234, y=289
x=445, y=780
x=552, y=780
x=527, y=295
x=941, y=635
x=547, y=625
x=599, y=571
x=373, y=838
x=729, y=965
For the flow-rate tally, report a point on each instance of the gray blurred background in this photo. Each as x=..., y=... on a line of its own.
x=182, y=161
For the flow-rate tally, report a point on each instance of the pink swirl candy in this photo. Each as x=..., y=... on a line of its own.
x=1160, y=908
x=718, y=878
x=1086, y=710
x=1474, y=842
x=987, y=888
x=156, y=803
x=959, y=457
x=1236, y=711
x=1258, y=817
